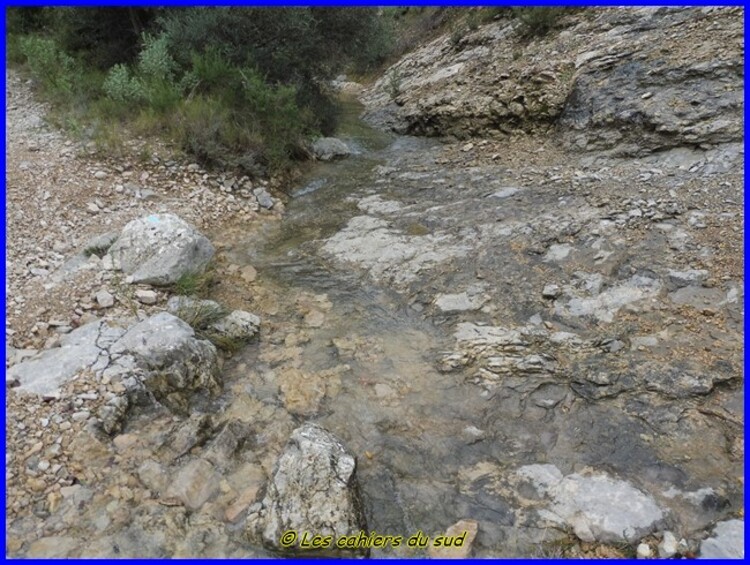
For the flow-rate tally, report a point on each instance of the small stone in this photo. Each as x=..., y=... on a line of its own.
x=472, y=434
x=264, y=199
x=68, y=492
x=92, y=208
x=124, y=441
x=195, y=484
x=248, y=273
x=668, y=546
x=53, y=501
x=146, y=296
x=643, y=551
x=551, y=291
x=245, y=499
x=463, y=533
x=99, y=175
x=315, y=319
x=104, y=299
x=55, y=546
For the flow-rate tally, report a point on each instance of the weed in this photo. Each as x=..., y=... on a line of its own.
x=537, y=21
x=108, y=138
x=195, y=284
x=394, y=83
x=200, y=314
x=98, y=250
x=223, y=342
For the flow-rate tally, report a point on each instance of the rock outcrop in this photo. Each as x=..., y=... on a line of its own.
x=606, y=81
x=595, y=506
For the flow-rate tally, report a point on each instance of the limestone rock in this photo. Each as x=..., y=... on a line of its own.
x=175, y=361
x=264, y=199
x=49, y=370
x=195, y=484
x=329, y=148
x=668, y=545
x=146, y=296
x=314, y=489
x=105, y=299
x=238, y=326
x=463, y=533
x=159, y=249
x=727, y=542
x=595, y=506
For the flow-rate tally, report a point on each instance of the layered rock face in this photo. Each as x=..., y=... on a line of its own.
x=627, y=81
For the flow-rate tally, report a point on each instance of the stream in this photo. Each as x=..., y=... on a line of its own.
x=354, y=342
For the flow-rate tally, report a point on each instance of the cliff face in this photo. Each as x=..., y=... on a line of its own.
x=628, y=81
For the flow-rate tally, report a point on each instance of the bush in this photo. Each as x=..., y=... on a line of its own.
x=538, y=21
x=120, y=86
x=51, y=66
x=101, y=37
x=201, y=127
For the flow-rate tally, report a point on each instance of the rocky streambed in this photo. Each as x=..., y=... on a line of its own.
x=538, y=347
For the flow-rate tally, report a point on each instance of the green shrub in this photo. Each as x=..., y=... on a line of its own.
x=201, y=126
x=120, y=86
x=49, y=64
x=209, y=71
x=154, y=60
x=538, y=21
x=394, y=83
x=280, y=121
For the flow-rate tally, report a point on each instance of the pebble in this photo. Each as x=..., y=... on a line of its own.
x=99, y=175
x=146, y=296
x=668, y=546
x=248, y=273
x=105, y=299
x=643, y=551
x=551, y=291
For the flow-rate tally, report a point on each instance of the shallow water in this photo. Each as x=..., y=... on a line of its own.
x=434, y=448
x=402, y=417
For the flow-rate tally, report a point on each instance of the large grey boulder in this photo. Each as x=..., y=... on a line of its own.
x=159, y=249
x=595, y=506
x=175, y=362
x=329, y=148
x=313, y=489
x=52, y=368
x=728, y=541
x=161, y=356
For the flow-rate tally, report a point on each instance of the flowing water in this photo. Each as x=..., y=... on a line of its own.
x=405, y=420
x=361, y=359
